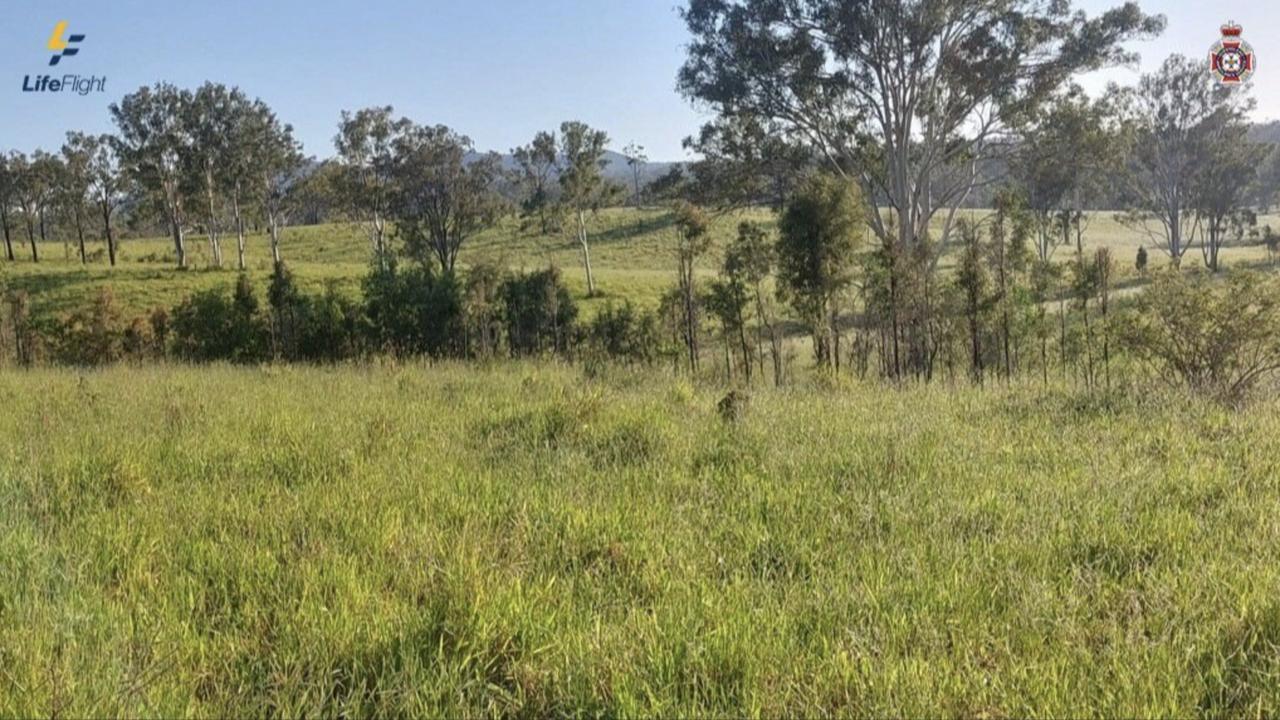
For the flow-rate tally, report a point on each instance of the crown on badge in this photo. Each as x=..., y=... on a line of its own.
x=1232, y=29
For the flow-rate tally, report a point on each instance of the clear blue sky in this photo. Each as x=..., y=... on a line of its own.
x=498, y=70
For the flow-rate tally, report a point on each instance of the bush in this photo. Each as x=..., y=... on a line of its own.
x=1218, y=338
x=539, y=313
x=210, y=326
x=622, y=333
x=311, y=328
x=483, y=306
x=93, y=336
x=414, y=311
x=21, y=329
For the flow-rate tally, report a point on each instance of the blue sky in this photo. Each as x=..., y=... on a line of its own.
x=497, y=70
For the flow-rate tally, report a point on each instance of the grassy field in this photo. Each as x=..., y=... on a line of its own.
x=632, y=254
x=519, y=540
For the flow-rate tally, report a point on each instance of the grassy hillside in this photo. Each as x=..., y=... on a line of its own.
x=445, y=540
x=632, y=253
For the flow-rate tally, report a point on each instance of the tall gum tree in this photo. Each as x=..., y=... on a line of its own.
x=366, y=146
x=154, y=147
x=905, y=96
x=1170, y=120
x=7, y=200
x=583, y=186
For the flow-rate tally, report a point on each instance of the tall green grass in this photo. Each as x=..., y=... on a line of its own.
x=520, y=540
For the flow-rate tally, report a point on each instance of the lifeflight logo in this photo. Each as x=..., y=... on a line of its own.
x=56, y=43
x=64, y=45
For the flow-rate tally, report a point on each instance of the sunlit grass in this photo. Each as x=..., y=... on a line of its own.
x=632, y=255
x=447, y=540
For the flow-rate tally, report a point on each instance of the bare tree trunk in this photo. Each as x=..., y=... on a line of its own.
x=728, y=355
x=31, y=236
x=215, y=245
x=111, y=240
x=586, y=253
x=8, y=240
x=235, y=204
x=274, y=227
x=84, y=257
x=774, y=348
x=379, y=226
x=690, y=318
x=179, y=242
x=1062, y=339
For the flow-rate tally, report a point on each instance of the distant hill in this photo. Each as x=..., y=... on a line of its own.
x=1268, y=132
x=616, y=168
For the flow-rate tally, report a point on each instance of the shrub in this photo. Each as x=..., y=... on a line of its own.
x=622, y=333
x=26, y=341
x=483, y=306
x=1217, y=338
x=139, y=341
x=414, y=311
x=92, y=336
x=539, y=313
x=311, y=328
x=211, y=326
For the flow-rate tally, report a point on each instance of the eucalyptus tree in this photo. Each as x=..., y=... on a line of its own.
x=106, y=185
x=240, y=177
x=636, y=161
x=819, y=233
x=583, y=186
x=365, y=143
x=443, y=194
x=905, y=96
x=211, y=120
x=1225, y=184
x=19, y=167
x=8, y=197
x=536, y=168
x=692, y=227
x=910, y=99
x=155, y=148
x=278, y=162
x=33, y=188
x=1063, y=155
x=742, y=164
x=47, y=178
x=1171, y=118
x=751, y=258
x=77, y=156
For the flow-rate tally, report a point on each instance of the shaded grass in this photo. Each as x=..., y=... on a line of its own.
x=519, y=540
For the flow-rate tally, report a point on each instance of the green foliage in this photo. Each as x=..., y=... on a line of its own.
x=414, y=311
x=819, y=236
x=540, y=314
x=1222, y=339
x=211, y=325
x=626, y=334
x=442, y=195
x=325, y=327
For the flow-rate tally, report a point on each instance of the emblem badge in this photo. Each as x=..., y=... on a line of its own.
x=1232, y=59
